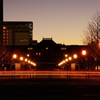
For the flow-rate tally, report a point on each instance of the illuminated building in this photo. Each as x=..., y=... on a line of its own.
x=47, y=54
x=14, y=33
x=17, y=33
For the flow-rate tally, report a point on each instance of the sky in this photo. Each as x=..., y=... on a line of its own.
x=62, y=20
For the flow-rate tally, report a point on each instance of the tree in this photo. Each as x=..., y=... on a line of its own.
x=92, y=36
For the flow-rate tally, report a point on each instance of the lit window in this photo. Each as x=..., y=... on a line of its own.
x=4, y=27
x=66, y=55
x=63, y=48
x=30, y=48
x=24, y=40
x=3, y=43
x=3, y=31
x=37, y=54
x=7, y=31
x=28, y=55
x=46, y=48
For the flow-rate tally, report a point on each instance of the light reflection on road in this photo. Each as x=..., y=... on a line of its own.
x=50, y=74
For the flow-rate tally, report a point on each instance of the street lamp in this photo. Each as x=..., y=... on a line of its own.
x=66, y=60
x=84, y=52
x=14, y=56
x=85, y=59
x=70, y=58
x=13, y=61
x=29, y=61
x=66, y=55
x=28, y=55
x=26, y=59
x=21, y=58
x=75, y=56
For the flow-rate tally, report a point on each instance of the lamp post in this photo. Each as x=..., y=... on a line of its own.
x=14, y=57
x=70, y=58
x=84, y=53
x=66, y=55
x=75, y=56
x=21, y=62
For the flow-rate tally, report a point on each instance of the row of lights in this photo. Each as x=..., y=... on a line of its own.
x=75, y=56
x=24, y=59
x=67, y=59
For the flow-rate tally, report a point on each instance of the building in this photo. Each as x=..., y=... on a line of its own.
x=47, y=54
x=16, y=33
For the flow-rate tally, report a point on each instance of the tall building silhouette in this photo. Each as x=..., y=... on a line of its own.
x=1, y=10
x=15, y=32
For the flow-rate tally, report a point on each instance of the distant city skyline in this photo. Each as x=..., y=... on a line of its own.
x=63, y=20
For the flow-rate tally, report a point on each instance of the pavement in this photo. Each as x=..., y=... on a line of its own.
x=49, y=89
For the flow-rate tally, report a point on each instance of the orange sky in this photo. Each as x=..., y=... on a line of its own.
x=63, y=20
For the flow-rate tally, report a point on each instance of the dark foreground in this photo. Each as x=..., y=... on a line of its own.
x=49, y=89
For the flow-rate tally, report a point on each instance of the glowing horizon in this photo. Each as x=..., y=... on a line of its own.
x=62, y=20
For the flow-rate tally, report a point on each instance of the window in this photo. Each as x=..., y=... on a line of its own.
x=46, y=48
x=38, y=54
x=63, y=48
x=30, y=48
x=4, y=27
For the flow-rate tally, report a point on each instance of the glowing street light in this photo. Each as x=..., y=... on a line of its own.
x=34, y=64
x=21, y=58
x=26, y=59
x=75, y=56
x=28, y=55
x=63, y=61
x=66, y=55
x=66, y=60
x=70, y=58
x=29, y=61
x=84, y=52
x=14, y=56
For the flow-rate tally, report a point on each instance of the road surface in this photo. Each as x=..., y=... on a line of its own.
x=49, y=89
